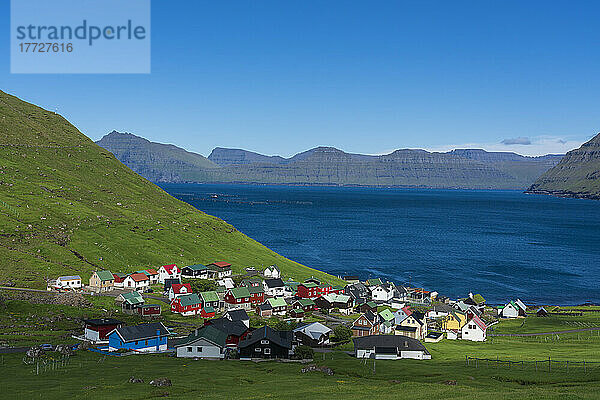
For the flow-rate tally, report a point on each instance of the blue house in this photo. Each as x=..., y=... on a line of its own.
x=149, y=337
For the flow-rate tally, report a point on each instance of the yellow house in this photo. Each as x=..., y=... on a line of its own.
x=454, y=321
x=102, y=281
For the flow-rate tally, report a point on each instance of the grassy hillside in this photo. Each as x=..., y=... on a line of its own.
x=68, y=206
x=577, y=175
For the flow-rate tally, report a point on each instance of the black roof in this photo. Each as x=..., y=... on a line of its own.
x=398, y=341
x=265, y=306
x=406, y=328
x=171, y=281
x=233, y=328
x=275, y=282
x=350, y=278
x=142, y=331
x=280, y=338
x=237, y=315
x=102, y=321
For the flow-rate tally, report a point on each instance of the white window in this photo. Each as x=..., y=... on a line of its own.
x=267, y=351
x=258, y=349
x=189, y=349
x=199, y=349
x=264, y=341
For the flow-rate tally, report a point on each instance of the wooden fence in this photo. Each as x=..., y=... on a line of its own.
x=547, y=365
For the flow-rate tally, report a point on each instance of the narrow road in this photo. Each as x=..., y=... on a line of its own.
x=160, y=298
x=546, y=333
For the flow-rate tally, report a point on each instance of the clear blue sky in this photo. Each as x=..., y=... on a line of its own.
x=281, y=77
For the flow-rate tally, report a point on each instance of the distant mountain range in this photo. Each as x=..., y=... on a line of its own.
x=461, y=168
x=576, y=175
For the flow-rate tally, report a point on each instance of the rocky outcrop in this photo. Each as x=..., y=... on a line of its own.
x=577, y=175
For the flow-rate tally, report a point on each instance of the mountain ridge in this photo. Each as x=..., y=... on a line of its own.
x=576, y=175
x=325, y=165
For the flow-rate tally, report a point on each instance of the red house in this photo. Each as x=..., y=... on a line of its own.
x=149, y=310
x=235, y=330
x=324, y=289
x=238, y=297
x=188, y=304
x=96, y=329
x=257, y=295
x=308, y=290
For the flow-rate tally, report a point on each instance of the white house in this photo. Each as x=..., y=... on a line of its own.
x=474, y=330
x=168, y=271
x=513, y=309
x=137, y=281
x=66, y=282
x=207, y=342
x=227, y=282
x=272, y=272
x=382, y=293
x=179, y=289
x=389, y=347
x=274, y=287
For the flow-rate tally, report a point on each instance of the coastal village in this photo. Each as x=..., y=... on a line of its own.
x=380, y=319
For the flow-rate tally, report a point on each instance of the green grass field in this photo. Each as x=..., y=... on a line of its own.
x=93, y=376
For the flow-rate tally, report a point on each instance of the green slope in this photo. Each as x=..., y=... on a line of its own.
x=68, y=206
x=577, y=175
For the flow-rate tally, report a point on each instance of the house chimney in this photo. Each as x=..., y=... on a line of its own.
x=158, y=332
x=470, y=295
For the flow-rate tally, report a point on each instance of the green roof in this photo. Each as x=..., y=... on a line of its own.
x=256, y=289
x=298, y=310
x=197, y=267
x=372, y=304
x=277, y=302
x=240, y=292
x=248, y=281
x=478, y=299
x=310, y=284
x=209, y=333
x=209, y=309
x=133, y=298
x=374, y=282
x=221, y=289
x=306, y=302
x=386, y=314
x=105, y=275
x=189, y=299
x=209, y=296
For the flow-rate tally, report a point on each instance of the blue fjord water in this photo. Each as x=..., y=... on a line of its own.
x=503, y=244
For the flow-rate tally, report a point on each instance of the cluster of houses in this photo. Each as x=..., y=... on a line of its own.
x=392, y=320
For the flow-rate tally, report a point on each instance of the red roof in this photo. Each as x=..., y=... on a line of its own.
x=178, y=286
x=139, y=277
x=152, y=271
x=169, y=267
x=479, y=322
x=407, y=310
x=222, y=264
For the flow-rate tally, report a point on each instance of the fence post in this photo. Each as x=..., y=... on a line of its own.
x=549, y=364
x=567, y=366
x=584, y=365
x=536, y=366
x=466, y=360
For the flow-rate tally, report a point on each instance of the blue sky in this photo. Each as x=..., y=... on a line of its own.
x=370, y=77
